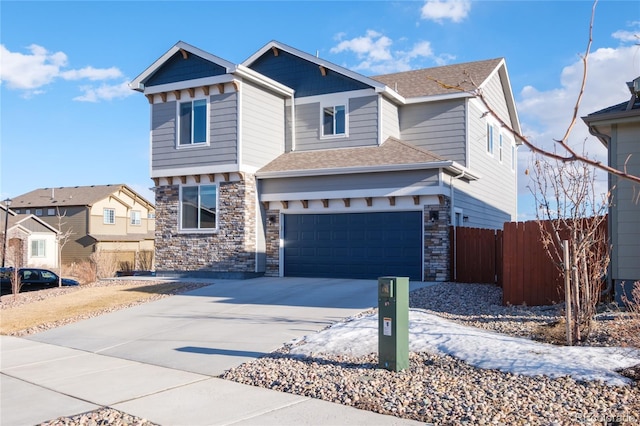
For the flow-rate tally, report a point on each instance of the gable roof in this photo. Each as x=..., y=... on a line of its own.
x=419, y=83
x=138, y=82
x=71, y=196
x=376, y=85
x=393, y=154
x=26, y=222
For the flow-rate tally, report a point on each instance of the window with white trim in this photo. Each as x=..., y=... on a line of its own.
x=334, y=120
x=500, y=148
x=491, y=130
x=198, y=206
x=109, y=216
x=38, y=248
x=51, y=212
x=192, y=122
x=136, y=217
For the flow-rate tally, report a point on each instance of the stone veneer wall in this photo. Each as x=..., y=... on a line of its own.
x=273, y=243
x=231, y=249
x=436, y=242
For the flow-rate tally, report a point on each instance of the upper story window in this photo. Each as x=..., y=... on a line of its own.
x=513, y=157
x=192, y=123
x=38, y=212
x=198, y=205
x=491, y=133
x=136, y=217
x=109, y=216
x=334, y=120
x=51, y=212
x=500, y=148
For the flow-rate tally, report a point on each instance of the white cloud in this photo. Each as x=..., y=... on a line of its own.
x=30, y=71
x=376, y=56
x=627, y=36
x=104, y=92
x=439, y=10
x=373, y=46
x=545, y=114
x=92, y=73
x=33, y=71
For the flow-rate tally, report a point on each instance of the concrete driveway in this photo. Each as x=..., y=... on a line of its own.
x=159, y=360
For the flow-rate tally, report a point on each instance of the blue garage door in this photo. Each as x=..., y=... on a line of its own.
x=353, y=245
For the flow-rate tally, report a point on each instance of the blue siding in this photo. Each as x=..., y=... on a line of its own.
x=303, y=76
x=178, y=69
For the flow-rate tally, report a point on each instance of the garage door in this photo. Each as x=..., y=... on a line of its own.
x=353, y=245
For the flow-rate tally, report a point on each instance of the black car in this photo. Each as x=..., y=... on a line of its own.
x=35, y=277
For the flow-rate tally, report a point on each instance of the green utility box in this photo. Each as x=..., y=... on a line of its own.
x=393, y=323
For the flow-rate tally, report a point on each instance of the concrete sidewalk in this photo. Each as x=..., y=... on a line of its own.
x=159, y=360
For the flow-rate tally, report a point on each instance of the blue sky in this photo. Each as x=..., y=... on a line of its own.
x=68, y=118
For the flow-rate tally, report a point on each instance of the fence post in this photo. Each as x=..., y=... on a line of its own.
x=567, y=289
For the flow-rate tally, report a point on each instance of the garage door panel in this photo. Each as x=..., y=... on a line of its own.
x=353, y=245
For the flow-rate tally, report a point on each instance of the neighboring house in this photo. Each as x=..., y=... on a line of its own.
x=289, y=165
x=31, y=242
x=108, y=218
x=618, y=128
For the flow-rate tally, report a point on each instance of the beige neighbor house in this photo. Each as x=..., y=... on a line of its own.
x=106, y=218
x=618, y=128
x=30, y=241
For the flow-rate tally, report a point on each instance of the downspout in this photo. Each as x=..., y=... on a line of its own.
x=453, y=222
x=607, y=140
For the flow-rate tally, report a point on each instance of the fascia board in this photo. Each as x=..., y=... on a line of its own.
x=435, y=98
x=185, y=84
x=608, y=119
x=449, y=165
x=136, y=83
x=318, y=61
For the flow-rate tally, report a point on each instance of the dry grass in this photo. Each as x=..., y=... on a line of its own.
x=83, y=302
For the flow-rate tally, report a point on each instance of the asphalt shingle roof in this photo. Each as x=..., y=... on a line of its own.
x=393, y=151
x=65, y=196
x=418, y=83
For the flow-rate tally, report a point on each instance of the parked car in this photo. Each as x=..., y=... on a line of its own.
x=35, y=277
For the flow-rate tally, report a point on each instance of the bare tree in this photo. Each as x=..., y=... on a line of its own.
x=15, y=254
x=570, y=209
x=562, y=152
x=564, y=180
x=62, y=238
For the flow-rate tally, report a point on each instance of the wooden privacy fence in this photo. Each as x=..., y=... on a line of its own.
x=514, y=258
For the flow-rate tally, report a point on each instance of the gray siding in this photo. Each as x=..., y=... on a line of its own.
x=439, y=127
x=263, y=125
x=360, y=182
x=626, y=211
x=495, y=96
x=222, y=148
x=491, y=200
x=390, y=120
x=362, y=126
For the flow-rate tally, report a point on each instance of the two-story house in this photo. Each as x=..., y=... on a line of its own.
x=289, y=165
x=618, y=128
x=108, y=218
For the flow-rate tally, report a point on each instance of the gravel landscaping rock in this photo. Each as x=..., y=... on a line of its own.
x=439, y=389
